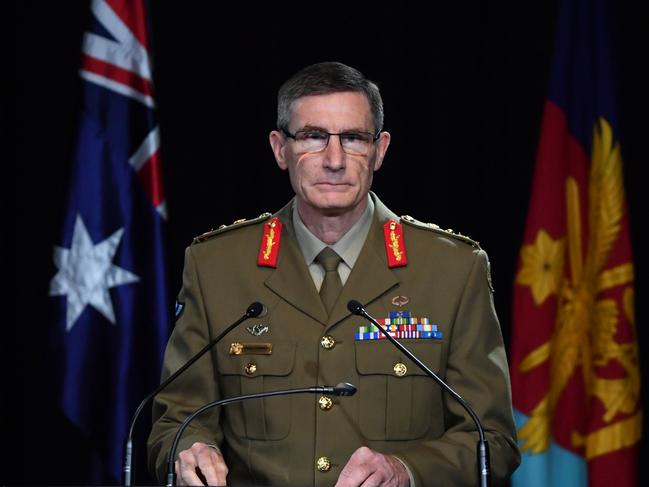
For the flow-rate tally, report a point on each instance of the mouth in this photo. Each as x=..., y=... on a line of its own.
x=333, y=187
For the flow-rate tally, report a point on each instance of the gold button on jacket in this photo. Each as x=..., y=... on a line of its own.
x=328, y=342
x=325, y=403
x=251, y=368
x=400, y=369
x=323, y=464
x=272, y=441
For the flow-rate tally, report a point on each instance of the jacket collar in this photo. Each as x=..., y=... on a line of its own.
x=369, y=279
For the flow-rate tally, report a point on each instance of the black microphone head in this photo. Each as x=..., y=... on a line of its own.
x=256, y=310
x=355, y=307
x=344, y=389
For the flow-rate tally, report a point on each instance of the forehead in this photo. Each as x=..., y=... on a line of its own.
x=333, y=111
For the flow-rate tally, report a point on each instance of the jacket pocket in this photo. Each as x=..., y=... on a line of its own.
x=257, y=419
x=395, y=396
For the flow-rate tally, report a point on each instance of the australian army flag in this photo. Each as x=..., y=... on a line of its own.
x=575, y=374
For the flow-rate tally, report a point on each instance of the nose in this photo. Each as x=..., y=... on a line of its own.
x=334, y=156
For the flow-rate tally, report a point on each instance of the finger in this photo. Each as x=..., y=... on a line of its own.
x=210, y=463
x=354, y=473
x=213, y=468
x=352, y=478
x=368, y=468
x=187, y=475
x=386, y=471
x=374, y=480
x=186, y=469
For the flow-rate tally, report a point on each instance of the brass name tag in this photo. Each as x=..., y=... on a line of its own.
x=237, y=348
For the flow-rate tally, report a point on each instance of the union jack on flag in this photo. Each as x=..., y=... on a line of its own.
x=112, y=322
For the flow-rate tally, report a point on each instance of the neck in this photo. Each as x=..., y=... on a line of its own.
x=329, y=227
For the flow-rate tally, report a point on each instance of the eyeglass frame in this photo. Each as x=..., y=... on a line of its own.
x=375, y=137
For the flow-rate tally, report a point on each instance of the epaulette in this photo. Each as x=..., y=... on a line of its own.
x=225, y=228
x=436, y=228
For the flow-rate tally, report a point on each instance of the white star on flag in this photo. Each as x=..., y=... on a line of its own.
x=86, y=273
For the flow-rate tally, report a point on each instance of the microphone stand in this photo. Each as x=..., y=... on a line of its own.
x=254, y=310
x=342, y=389
x=484, y=473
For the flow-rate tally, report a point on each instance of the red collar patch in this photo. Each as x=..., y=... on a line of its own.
x=269, y=247
x=395, y=247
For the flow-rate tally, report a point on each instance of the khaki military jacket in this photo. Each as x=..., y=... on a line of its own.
x=305, y=440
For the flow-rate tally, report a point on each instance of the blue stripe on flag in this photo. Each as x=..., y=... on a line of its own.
x=557, y=466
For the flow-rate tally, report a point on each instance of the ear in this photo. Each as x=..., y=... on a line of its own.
x=381, y=148
x=278, y=145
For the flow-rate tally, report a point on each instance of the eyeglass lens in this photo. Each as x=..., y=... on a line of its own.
x=352, y=142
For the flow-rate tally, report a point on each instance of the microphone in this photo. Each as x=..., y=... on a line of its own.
x=255, y=310
x=483, y=447
x=342, y=389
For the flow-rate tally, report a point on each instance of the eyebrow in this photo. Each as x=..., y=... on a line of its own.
x=316, y=127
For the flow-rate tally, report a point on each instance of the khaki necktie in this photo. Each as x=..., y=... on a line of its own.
x=331, y=285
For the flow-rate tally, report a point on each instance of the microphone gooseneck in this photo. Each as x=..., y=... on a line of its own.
x=342, y=389
x=356, y=308
x=255, y=310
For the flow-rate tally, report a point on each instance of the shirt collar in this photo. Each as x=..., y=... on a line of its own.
x=348, y=246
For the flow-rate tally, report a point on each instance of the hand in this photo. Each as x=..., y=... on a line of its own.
x=201, y=465
x=368, y=468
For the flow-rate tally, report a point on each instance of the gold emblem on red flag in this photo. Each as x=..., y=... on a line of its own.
x=586, y=329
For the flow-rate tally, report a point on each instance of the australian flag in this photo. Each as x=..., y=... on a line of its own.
x=111, y=289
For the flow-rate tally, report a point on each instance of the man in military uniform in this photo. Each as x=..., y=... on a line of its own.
x=335, y=241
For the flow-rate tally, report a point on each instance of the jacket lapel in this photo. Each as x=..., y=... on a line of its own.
x=371, y=277
x=291, y=279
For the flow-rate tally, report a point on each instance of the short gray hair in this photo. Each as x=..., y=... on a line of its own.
x=322, y=79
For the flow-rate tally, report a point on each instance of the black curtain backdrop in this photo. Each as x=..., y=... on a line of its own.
x=463, y=85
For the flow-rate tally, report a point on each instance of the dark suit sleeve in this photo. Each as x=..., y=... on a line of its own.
x=477, y=370
x=191, y=390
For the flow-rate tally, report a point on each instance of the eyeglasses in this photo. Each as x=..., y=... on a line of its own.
x=353, y=143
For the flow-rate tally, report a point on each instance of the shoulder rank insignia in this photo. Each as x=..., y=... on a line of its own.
x=394, y=245
x=436, y=228
x=224, y=228
x=269, y=247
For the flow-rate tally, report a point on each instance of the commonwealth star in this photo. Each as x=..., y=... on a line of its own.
x=86, y=273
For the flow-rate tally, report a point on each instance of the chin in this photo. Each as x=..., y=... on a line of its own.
x=336, y=204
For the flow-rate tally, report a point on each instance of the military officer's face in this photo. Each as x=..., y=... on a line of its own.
x=333, y=180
